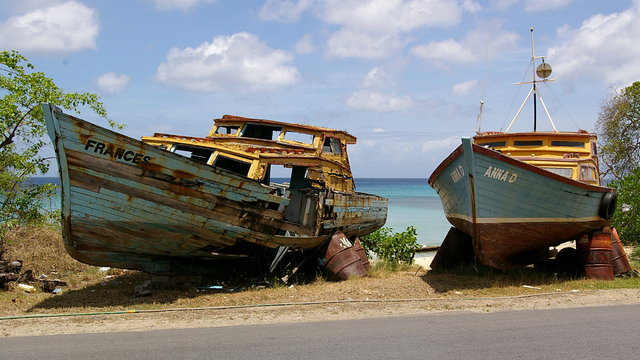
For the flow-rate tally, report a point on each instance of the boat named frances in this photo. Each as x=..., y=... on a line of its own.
x=178, y=204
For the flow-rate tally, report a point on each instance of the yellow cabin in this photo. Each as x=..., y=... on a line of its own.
x=317, y=156
x=570, y=154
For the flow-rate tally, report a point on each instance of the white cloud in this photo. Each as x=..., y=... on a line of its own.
x=445, y=144
x=543, y=5
x=603, y=49
x=471, y=6
x=240, y=63
x=483, y=42
x=464, y=88
x=377, y=130
x=503, y=4
x=446, y=51
x=60, y=28
x=374, y=29
x=391, y=16
x=399, y=152
x=182, y=5
x=284, y=10
x=305, y=45
x=377, y=77
x=112, y=83
x=348, y=43
x=24, y=6
x=371, y=100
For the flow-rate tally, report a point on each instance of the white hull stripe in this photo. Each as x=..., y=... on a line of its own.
x=523, y=220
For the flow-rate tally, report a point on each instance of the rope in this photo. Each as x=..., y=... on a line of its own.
x=562, y=106
x=515, y=96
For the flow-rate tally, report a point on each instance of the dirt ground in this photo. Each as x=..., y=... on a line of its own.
x=397, y=295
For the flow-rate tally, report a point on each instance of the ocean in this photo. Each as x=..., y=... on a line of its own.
x=412, y=202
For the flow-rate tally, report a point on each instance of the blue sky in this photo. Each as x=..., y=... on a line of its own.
x=404, y=76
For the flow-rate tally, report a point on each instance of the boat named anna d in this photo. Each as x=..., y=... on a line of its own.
x=517, y=194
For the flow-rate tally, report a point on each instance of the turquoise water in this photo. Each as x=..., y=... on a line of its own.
x=412, y=202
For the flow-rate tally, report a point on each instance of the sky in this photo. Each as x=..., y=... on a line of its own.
x=406, y=77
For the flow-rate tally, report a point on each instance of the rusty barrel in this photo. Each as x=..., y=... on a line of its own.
x=361, y=253
x=619, y=259
x=598, y=259
x=582, y=245
x=341, y=259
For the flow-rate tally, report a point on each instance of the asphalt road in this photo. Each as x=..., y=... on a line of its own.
x=611, y=332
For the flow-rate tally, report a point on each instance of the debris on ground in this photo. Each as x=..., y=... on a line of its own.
x=9, y=272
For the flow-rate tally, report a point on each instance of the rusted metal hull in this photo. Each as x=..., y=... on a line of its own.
x=131, y=205
x=512, y=209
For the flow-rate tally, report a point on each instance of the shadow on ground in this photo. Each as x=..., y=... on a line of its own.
x=470, y=277
x=136, y=288
x=115, y=292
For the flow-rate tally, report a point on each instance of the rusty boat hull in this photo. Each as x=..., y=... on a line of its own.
x=513, y=210
x=129, y=204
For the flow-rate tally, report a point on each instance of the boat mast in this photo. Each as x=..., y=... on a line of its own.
x=542, y=71
x=533, y=64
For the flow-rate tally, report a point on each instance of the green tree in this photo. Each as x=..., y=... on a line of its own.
x=618, y=128
x=625, y=219
x=22, y=136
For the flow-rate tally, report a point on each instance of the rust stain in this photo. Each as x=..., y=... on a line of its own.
x=183, y=174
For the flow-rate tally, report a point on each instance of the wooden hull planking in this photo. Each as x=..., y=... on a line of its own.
x=131, y=205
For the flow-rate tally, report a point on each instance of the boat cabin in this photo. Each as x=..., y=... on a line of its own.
x=570, y=154
x=249, y=147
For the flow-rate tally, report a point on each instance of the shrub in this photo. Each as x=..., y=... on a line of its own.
x=390, y=247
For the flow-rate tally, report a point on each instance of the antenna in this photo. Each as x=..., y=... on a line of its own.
x=479, y=119
x=543, y=71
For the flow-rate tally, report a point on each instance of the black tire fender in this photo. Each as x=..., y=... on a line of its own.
x=608, y=205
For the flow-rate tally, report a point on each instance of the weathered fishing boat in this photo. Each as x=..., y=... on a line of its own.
x=177, y=204
x=517, y=194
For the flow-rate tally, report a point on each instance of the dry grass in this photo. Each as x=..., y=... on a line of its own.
x=91, y=290
x=42, y=250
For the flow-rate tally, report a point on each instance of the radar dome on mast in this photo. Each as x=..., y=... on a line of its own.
x=543, y=70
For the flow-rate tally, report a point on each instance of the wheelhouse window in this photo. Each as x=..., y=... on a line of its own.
x=193, y=153
x=493, y=144
x=566, y=172
x=227, y=130
x=332, y=145
x=527, y=143
x=568, y=143
x=233, y=165
x=298, y=137
x=587, y=173
x=258, y=131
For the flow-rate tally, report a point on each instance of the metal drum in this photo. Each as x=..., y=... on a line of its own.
x=598, y=260
x=342, y=260
x=361, y=253
x=619, y=259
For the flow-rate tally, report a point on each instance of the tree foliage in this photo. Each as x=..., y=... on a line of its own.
x=22, y=136
x=619, y=132
x=627, y=215
x=618, y=128
x=390, y=247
